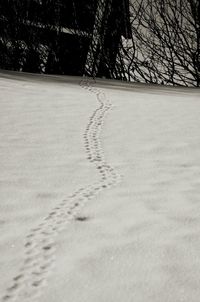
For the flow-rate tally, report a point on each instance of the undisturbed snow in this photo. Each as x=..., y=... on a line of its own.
x=140, y=239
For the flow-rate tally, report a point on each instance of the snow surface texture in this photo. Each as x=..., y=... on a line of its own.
x=137, y=236
x=40, y=242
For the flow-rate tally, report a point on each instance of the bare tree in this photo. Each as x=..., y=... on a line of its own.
x=165, y=45
x=112, y=21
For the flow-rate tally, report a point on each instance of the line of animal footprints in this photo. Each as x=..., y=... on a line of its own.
x=40, y=243
x=93, y=146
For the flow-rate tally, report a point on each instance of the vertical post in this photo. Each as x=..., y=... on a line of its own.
x=97, y=38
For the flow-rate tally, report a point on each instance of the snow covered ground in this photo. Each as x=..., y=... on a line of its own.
x=100, y=191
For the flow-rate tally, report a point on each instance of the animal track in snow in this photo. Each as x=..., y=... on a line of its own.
x=40, y=243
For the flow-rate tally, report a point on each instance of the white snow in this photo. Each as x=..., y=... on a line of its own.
x=136, y=239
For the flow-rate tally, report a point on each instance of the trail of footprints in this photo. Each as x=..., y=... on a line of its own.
x=40, y=243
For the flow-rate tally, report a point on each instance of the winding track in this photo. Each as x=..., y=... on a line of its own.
x=40, y=242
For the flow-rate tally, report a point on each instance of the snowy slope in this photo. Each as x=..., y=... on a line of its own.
x=128, y=153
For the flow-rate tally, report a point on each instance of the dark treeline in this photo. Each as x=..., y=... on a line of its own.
x=154, y=41
x=62, y=36
x=33, y=34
